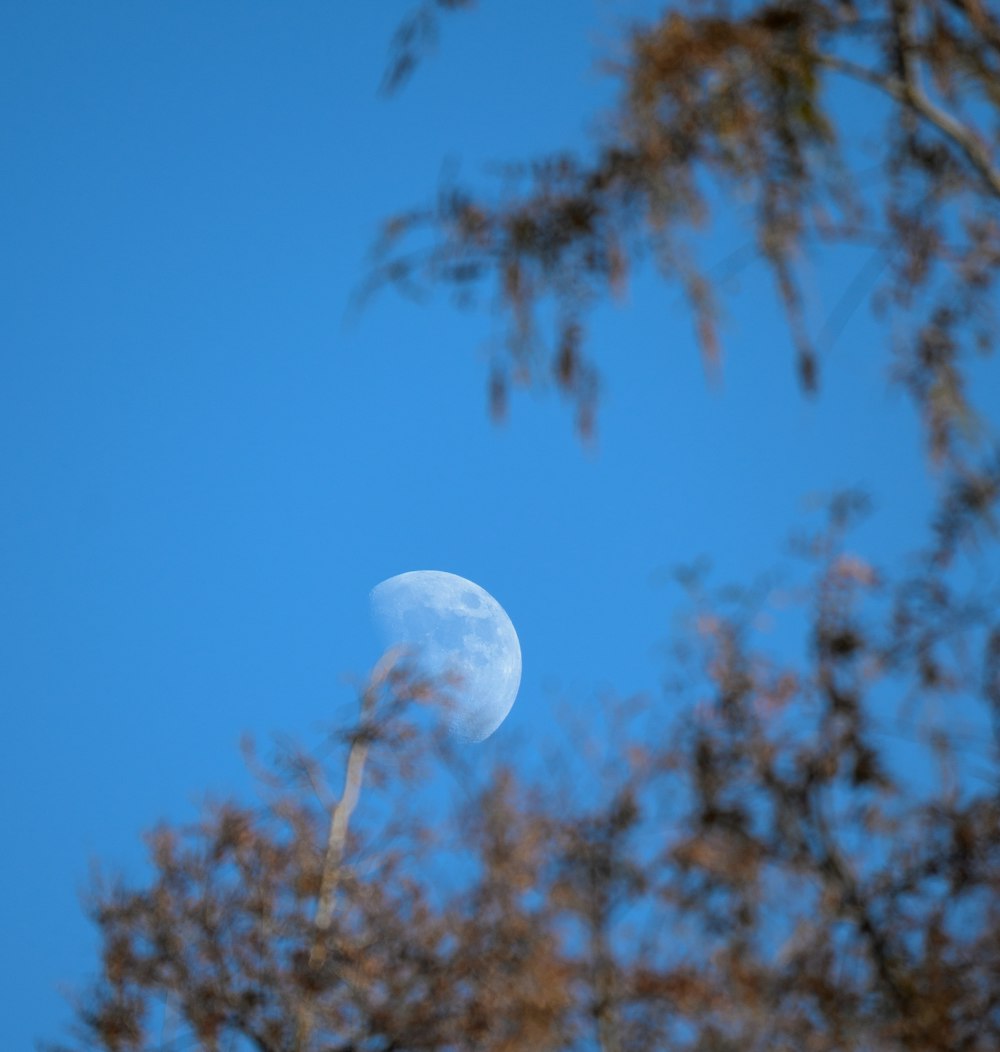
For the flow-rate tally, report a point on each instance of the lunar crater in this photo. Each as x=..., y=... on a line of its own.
x=453, y=628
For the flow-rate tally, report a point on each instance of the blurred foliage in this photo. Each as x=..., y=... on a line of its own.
x=797, y=846
x=751, y=863
x=727, y=112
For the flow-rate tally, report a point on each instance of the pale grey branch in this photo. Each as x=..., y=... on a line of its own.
x=909, y=93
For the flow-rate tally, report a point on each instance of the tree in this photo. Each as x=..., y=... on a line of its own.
x=759, y=870
x=755, y=873
x=724, y=102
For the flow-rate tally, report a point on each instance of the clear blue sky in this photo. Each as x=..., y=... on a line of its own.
x=205, y=469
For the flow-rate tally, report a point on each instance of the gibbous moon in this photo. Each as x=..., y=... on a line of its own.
x=453, y=626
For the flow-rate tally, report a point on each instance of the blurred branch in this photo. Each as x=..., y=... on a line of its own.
x=414, y=37
x=835, y=868
x=909, y=93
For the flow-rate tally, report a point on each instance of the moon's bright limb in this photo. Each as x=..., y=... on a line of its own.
x=453, y=626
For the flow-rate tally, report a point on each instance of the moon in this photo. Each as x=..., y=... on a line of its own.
x=452, y=626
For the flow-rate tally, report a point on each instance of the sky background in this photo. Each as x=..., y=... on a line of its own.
x=207, y=461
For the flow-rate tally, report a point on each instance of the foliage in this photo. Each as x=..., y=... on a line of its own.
x=724, y=102
x=756, y=871
x=798, y=845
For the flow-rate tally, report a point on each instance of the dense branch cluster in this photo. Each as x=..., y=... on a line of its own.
x=796, y=847
x=725, y=106
x=750, y=863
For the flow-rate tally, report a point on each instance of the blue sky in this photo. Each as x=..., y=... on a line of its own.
x=207, y=464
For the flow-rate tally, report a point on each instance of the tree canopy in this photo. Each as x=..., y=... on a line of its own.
x=745, y=863
x=722, y=103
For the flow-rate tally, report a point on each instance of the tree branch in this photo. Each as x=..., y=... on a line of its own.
x=983, y=21
x=832, y=865
x=909, y=93
x=341, y=816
